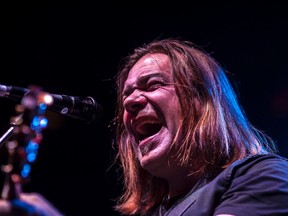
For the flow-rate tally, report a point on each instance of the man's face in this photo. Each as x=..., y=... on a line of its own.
x=151, y=114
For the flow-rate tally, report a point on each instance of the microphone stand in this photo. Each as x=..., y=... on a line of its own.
x=22, y=140
x=12, y=185
x=8, y=134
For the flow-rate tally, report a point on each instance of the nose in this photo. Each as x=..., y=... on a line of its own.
x=135, y=102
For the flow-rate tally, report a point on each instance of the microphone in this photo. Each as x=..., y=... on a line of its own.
x=77, y=107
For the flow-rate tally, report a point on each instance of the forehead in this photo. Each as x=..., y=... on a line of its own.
x=150, y=63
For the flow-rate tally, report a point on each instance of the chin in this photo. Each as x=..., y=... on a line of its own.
x=154, y=162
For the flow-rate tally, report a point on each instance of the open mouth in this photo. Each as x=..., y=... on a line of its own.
x=147, y=127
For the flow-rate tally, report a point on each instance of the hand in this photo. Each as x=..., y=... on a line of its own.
x=29, y=204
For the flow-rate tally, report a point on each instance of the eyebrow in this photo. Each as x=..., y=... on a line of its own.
x=142, y=79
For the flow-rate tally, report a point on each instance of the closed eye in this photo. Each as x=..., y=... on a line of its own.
x=151, y=86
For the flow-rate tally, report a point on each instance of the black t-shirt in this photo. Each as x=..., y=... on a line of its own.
x=254, y=186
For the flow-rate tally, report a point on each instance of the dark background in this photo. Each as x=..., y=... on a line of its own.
x=75, y=50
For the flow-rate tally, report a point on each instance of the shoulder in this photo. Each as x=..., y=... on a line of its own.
x=257, y=174
x=257, y=184
x=258, y=158
x=254, y=169
x=261, y=164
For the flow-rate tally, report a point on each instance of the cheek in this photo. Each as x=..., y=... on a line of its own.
x=171, y=110
x=166, y=97
x=173, y=105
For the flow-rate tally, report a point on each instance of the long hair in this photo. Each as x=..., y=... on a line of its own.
x=211, y=140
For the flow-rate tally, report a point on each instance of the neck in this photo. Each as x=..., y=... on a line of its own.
x=181, y=182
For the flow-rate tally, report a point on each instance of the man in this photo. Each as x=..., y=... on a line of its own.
x=185, y=145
